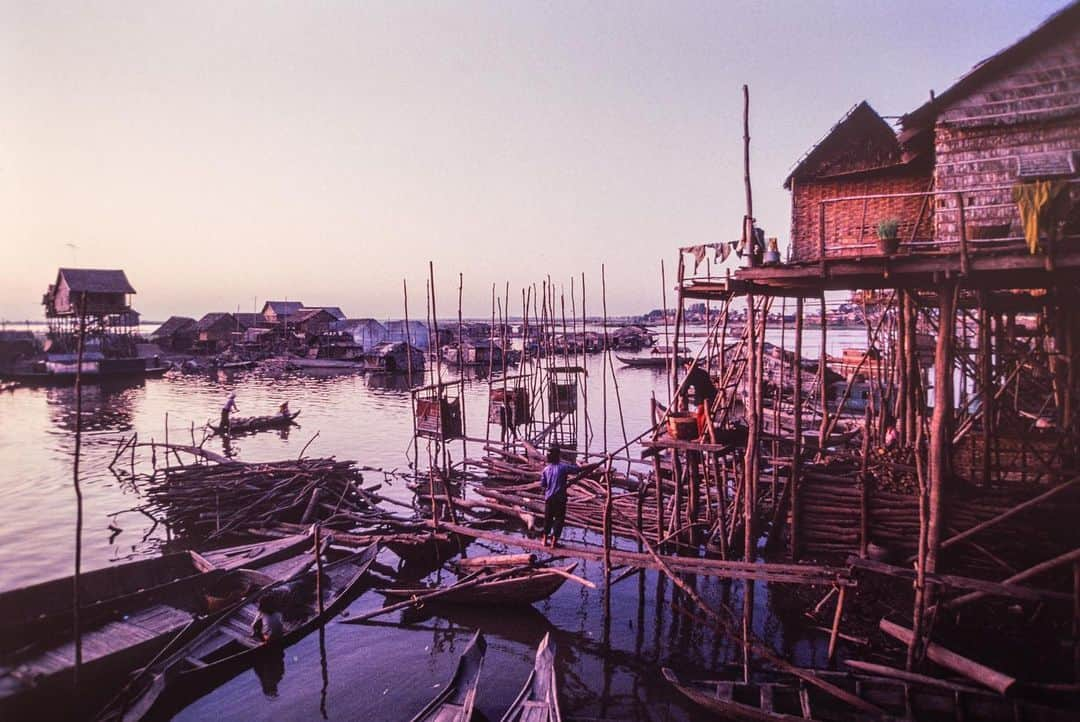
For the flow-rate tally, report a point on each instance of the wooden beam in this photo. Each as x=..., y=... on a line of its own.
x=995, y=680
x=782, y=573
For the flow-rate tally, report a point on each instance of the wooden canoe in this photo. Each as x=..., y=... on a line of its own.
x=538, y=700
x=250, y=424
x=227, y=646
x=645, y=362
x=455, y=703
x=783, y=698
x=531, y=586
x=127, y=613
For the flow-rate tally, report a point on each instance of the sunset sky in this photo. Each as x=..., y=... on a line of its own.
x=223, y=153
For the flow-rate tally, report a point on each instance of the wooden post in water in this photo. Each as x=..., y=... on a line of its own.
x=408, y=373
x=318, y=566
x=753, y=422
x=941, y=421
x=77, y=579
x=607, y=467
x=823, y=389
x=796, y=452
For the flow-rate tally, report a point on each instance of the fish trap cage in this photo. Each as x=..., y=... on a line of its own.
x=437, y=415
x=562, y=389
x=509, y=407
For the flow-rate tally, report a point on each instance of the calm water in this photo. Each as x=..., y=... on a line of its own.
x=372, y=672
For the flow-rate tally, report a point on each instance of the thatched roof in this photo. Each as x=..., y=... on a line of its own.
x=94, y=280
x=334, y=311
x=1058, y=26
x=174, y=325
x=210, y=320
x=861, y=141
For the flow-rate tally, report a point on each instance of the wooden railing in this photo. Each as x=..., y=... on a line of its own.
x=935, y=220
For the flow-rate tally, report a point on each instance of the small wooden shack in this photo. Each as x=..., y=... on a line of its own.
x=390, y=357
x=178, y=333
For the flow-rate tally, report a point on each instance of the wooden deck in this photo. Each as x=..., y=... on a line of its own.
x=987, y=270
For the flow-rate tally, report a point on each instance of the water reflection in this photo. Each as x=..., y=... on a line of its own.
x=269, y=666
x=104, y=407
x=389, y=382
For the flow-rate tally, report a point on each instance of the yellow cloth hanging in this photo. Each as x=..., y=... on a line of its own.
x=1033, y=200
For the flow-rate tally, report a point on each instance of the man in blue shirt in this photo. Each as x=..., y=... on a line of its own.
x=554, y=480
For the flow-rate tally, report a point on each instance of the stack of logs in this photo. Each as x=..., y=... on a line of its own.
x=831, y=505
x=212, y=500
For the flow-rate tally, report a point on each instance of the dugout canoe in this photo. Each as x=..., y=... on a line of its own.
x=525, y=588
x=227, y=646
x=538, y=700
x=250, y=424
x=784, y=698
x=128, y=612
x=455, y=703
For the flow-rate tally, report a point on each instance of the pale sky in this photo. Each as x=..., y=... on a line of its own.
x=223, y=152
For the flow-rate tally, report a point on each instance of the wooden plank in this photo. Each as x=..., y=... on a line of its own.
x=1000, y=589
x=783, y=573
x=995, y=680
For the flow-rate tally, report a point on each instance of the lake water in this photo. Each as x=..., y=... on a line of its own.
x=372, y=672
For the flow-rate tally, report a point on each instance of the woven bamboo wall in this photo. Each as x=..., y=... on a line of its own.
x=849, y=224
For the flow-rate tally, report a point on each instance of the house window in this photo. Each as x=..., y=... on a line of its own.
x=1057, y=164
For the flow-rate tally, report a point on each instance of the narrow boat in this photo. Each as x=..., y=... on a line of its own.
x=538, y=700
x=644, y=362
x=228, y=645
x=455, y=703
x=127, y=613
x=40, y=373
x=784, y=698
x=250, y=424
x=526, y=588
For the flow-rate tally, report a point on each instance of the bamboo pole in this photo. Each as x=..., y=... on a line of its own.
x=835, y=632
x=796, y=452
x=823, y=391
x=77, y=578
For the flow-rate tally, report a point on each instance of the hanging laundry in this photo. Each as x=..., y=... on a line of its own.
x=1035, y=201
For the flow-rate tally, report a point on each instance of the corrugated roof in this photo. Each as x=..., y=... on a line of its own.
x=283, y=308
x=95, y=280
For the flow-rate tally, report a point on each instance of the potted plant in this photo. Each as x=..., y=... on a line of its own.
x=888, y=239
x=772, y=253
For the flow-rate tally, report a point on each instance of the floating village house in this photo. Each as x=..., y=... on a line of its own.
x=104, y=298
x=956, y=225
x=280, y=312
x=216, y=331
x=178, y=333
x=365, y=332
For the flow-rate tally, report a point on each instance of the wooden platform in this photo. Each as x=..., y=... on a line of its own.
x=986, y=270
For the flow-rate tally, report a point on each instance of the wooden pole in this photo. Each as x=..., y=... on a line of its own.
x=823, y=389
x=319, y=568
x=1000, y=683
x=796, y=452
x=77, y=579
x=940, y=437
x=607, y=471
x=835, y=632
x=667, y=336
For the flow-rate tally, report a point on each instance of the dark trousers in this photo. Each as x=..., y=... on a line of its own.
x=224, y=420
x=554, y=515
